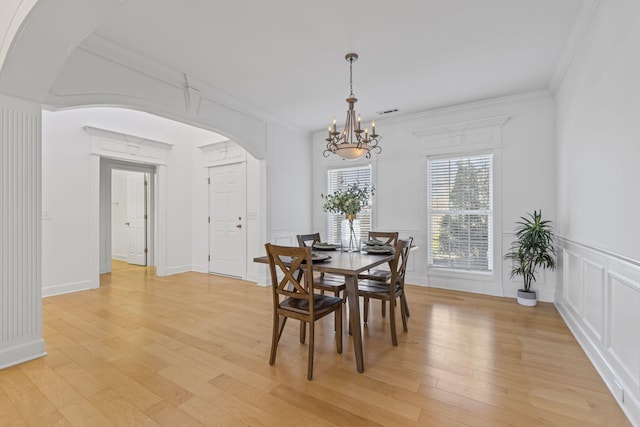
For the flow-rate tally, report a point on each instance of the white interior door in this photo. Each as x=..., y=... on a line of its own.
x=136, y=219
x=227, y=223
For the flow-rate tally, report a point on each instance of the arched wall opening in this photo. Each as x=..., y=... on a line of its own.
x=79, y=143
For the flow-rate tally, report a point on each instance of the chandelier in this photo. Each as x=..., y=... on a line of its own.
x=353, y=142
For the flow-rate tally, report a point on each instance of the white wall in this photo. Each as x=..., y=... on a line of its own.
x=525, y=178
x=289, y=196
x=598, y=104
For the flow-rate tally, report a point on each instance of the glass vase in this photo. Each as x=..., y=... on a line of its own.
x=350, y=234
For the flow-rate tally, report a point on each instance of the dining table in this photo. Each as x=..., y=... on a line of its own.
x=349, y=265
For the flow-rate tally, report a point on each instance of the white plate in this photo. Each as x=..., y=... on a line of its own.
x=379, y=250
x=325, y=246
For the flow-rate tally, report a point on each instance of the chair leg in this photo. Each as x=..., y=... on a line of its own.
x=339, y=329
x=282, y=320
x=392, y=323
x=403, y=314
x=384, y=307
x=278, y=325
x=303, y=331
x=311, y=341
x=403, y=301
x=337, y=295
x=366, y=309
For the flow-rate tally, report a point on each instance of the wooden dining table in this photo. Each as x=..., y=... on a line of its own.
x=349, y=265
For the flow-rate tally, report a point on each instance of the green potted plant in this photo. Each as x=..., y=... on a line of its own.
x=533, y=248
x=349, y=201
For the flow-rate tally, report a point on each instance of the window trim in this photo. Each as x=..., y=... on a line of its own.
x=494, y=237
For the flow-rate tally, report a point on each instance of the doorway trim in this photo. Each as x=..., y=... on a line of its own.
x=107, y=166
x=224, y=153
x=122, y=149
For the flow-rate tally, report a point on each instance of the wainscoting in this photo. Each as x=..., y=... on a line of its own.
x=598, y=295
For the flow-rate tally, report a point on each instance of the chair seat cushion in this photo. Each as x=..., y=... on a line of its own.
x=374, y=287
x=379, y=275
x=321, y=304
x=328, y=284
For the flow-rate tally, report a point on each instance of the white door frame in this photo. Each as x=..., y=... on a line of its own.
x=117, y=147
x=106, y=168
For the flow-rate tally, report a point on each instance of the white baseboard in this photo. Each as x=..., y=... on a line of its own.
x=65, y=288
x=414, y=279
x=627, y=401
x=22, y=352
x=200, y=268
x=178, y=269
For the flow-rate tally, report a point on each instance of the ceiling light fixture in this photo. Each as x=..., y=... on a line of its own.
x=353, y=142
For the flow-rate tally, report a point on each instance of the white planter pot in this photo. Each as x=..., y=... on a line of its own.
x=528, y=299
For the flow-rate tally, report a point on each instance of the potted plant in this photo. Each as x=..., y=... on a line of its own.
x=349, y=202
x=532, y=248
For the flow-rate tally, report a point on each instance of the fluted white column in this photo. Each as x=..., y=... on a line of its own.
x=20, y=231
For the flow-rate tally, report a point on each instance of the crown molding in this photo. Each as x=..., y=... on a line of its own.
x=460, y=128
x=530, y=96
x=576, y=38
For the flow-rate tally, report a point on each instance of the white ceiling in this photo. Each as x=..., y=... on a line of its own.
x=286, y=57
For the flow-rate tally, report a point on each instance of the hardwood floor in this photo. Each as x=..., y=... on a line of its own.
x=192, y=350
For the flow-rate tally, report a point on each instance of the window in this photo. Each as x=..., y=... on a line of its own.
x=338, y=179
x=461, y=213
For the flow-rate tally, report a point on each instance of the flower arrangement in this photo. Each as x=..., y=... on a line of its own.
x=350, y=200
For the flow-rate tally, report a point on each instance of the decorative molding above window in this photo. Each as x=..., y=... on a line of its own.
x=462, y=136
x=222, y=153
x=116, y=145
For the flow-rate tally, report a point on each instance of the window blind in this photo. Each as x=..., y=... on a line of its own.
x=338, y=179
x=460, y=213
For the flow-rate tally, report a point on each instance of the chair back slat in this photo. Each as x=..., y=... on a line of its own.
x=399, y=263
x=387, y=237
x=295, y=267
x=308, y=239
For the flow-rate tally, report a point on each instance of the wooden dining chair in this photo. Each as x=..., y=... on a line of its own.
x=390, y=291
x=383, y=275
x=323, y=282
x=293, y=297
x=389, y=238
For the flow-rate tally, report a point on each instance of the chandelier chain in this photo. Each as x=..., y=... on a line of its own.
x=351, y=76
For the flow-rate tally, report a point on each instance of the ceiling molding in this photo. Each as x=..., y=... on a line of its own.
x=531, y=96
x=579, y=30
x=193, y=88
x=115, y=53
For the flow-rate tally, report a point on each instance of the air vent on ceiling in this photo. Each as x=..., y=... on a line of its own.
x=392, y=110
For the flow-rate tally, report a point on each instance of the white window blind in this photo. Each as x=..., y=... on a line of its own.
x=461, y=213
x=338, y=179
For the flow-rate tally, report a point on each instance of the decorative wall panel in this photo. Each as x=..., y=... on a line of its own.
x=599, y=298
x=20, y=234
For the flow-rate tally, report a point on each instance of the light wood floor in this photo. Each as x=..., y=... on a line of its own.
x=192, y=349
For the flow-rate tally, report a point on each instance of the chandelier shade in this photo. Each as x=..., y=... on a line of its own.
x=353, y=142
